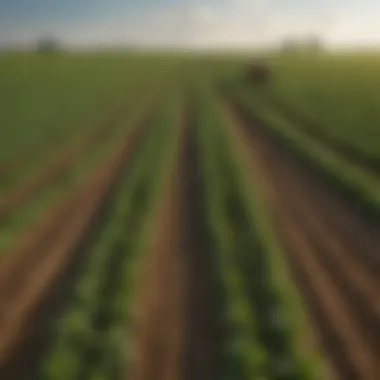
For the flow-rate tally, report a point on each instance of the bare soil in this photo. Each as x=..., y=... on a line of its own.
x=178, y=334
x=27, y=279
x=204, y=334
x=159, y=317
x=332, y=250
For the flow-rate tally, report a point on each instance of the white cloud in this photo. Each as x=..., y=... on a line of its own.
x=229, y=23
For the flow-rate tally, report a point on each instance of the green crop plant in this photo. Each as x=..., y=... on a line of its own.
x=59, y=96
x=340, y=93
x=355, y=180
x=245, y=358
x=91, y=335
x=271, y=302
x=23, y=217
x=290, y=306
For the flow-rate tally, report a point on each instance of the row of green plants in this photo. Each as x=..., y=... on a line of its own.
x=262, y=312
x=23, y=217
x=52, y=100
x=349, y=177
x=245, y=358
x=318, y=130
x=340, y=93
x=48, y=148
x=92, y=337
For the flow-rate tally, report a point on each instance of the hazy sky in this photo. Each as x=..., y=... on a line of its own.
x=195, y=22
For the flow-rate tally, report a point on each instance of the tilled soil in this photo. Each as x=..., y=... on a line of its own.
x=42, y=257
x=159, y=315
x=177, y=329
x=333, y=252
x=61, y=162
x=204, y=335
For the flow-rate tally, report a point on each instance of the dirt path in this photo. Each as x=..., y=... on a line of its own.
x=333, y=253
x=27, y=279
x=177, y=336
x=61, y=162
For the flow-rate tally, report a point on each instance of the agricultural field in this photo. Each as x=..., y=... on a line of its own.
x=161, y=217
x=334, y=98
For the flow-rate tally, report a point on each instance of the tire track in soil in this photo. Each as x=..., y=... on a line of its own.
x=178, y=333
x=38, y=275
x=323, y=248
x=62, y=162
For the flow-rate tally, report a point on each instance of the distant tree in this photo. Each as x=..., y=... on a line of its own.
x=48, y=46
x=289, y=45
x=313, y=44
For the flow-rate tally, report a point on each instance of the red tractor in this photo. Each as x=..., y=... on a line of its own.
x=258, y=73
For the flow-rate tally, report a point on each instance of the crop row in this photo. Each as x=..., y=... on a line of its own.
x=347, y=176
x=27, y=162
x=92, y=341
x=60, y=178
x=339, y=93
x=58, y=97
x=262, y=312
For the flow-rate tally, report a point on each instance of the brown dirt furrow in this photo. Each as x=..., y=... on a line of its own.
x=352, y=355
x=349, y=222
x=358, y=287
x=159, y=310
x=204, y=335
x=25, y=287
x=348, y=234
x=65, y=159
x=358, y=284
x=333, y=250
x=159, y=321
x=359, y=237
x=40, y=235
x=178, y=332
x=342, y=287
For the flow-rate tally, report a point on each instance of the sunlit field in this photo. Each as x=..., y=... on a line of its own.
x=164, y=216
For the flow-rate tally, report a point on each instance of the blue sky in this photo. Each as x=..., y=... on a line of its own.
x=190, y=22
